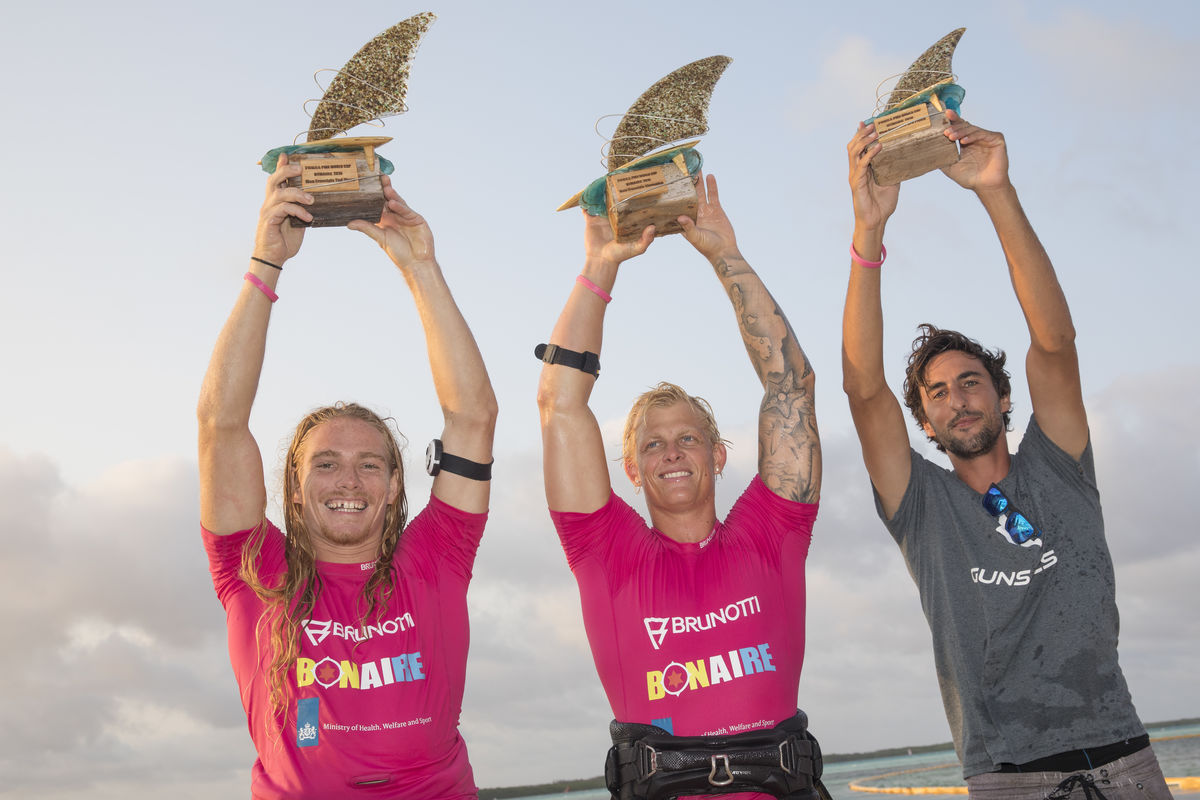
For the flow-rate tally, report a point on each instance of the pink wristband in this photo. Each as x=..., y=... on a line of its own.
x=603, y=295
x=862, y=262
x=262, y=287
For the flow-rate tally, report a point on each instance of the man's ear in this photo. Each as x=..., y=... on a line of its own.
x=925, y=426
x=719, y=456
x=394, y=486
x=1006, y=403
x=631, y=470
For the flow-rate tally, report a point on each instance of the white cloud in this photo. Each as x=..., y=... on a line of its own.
x=842, y=90
x=1120, y=64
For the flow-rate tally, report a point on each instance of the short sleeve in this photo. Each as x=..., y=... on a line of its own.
x=771, y=518
x=601, y=534
x=225, y=557
x=443, y=535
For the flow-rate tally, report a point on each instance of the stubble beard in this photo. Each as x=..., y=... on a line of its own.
x=977, y=444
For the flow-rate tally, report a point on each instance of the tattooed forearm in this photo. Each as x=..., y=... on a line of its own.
x=727, y=267
x=789, y=447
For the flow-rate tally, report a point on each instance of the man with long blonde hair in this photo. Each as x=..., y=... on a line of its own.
x=348, y=630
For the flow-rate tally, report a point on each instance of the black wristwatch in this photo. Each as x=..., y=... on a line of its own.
x=437, y=460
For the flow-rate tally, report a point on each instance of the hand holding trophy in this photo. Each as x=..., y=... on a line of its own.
x=343, y=172
x=652, y=170
x=912, y=123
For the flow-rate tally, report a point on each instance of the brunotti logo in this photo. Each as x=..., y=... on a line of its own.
x=319, y=629
x=658, y=627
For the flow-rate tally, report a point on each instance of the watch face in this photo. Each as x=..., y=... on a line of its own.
x=433, y=457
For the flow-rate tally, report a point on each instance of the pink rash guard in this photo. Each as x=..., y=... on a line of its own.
x=372, y=709
x=699, y=639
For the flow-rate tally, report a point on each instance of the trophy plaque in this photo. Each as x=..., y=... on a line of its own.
x=651, y=177
x=343, y=173
x=344, y=182
x=911, y=126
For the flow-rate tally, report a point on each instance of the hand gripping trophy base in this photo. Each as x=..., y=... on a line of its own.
x=913, y=142
x=655, y=189
x=344, y=181
x=656, y=195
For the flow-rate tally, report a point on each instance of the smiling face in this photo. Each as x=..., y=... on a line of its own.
x=963, y=411
x=344, y=485
x=675, y=460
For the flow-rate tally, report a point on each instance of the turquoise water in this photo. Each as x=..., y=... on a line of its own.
x=1179, y=757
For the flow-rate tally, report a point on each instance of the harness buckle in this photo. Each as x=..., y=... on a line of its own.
x=787, y=756
x=712, y=773
x=647, y=759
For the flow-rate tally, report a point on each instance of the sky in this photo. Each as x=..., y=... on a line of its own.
x=127, y=213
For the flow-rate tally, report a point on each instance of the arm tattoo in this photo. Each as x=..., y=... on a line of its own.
x=789, y=445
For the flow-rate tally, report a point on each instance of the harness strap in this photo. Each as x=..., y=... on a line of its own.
x=648, y=763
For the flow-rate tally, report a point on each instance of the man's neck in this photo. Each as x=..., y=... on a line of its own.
x=347, y=554
x=982, y=471
x=686, y=526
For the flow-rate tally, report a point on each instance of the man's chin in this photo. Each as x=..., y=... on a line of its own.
x=974, y=447
x=346, y=537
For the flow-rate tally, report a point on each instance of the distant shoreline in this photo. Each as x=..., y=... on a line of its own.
x=559, y=787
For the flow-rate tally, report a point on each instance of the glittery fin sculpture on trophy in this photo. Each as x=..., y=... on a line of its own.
x=651, y=168
x=911, y=123
x=342, y=172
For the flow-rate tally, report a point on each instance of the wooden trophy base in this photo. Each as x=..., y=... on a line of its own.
x=345, y=184
x=913, y=144
x=651, y=196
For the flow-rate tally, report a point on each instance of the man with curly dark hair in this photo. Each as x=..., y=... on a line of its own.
x=1007, y=549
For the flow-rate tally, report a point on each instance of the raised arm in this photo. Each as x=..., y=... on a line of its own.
x=459, y=375
x=233, y=495
x=789, y=448
x=877, y=415
x=1052, y=364
x=574, y=466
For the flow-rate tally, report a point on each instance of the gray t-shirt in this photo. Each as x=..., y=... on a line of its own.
x=1024, y=637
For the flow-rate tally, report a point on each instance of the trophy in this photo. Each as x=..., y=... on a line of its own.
x=343, y=172
x=652, y=170
x=911, y=123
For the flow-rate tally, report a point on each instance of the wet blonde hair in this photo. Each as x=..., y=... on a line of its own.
x=291, y=600
x=661, y=396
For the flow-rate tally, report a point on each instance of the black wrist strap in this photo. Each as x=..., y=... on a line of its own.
x=587, y=361
x=466, y=467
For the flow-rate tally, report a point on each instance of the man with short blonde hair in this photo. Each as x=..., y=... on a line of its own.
x=696, y=624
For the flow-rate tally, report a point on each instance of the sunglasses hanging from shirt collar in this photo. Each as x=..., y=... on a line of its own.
x=1018, y=527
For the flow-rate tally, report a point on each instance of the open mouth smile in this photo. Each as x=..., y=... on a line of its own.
x=353, y=506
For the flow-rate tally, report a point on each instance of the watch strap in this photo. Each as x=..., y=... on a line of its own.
x=586, y=361
x=465, y=467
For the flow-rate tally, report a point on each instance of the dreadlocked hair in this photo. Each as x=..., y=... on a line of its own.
x=290, y=598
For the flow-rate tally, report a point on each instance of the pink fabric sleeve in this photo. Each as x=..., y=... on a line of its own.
x=610, y=531
x=225, y=558
x=771, y=521
x=443, y=536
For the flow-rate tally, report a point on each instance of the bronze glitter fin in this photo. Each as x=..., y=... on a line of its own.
x=373, y=83
x=674, y=108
